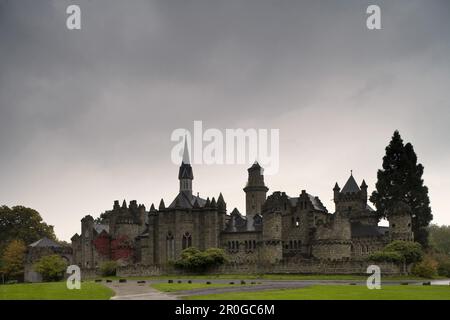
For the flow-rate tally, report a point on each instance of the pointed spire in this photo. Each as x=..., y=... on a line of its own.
x=221, y=205
x=124, y=204
x=152, y=208
x=220, y=199
x=162, y=205
x=363, y=184
x=213, y=203
x=186, y=159
x=196, y=205
x=336, y=187
x=208, y=203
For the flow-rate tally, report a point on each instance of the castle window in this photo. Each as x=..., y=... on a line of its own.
x=297, y=222
x=170, y=246
x=254, y=244
x=187, y=240
x=290, y=244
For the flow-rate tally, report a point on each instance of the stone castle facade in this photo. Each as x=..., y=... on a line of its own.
x=275, y=229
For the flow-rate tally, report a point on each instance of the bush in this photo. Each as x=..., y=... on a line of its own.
x=411, y=251
x=427, y=268
x=51, y=267
x=399, y=251
x=196, y=260
x=382, y=256
x=443, y=261
x=444, y=269
x=108, y=268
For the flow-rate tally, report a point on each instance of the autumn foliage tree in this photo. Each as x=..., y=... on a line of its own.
x=13, y=260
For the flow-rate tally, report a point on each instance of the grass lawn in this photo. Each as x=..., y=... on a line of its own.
x=267, y=277
x=338, y=292
x=174, y=287
x=54, y=291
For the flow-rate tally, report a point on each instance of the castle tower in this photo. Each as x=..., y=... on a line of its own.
x=272, y=250
x=400, y=223
x=87, y=236
x=352, y=198
x=185, y=174
x=255, y=190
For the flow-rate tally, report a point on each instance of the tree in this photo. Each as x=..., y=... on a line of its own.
x=21, y=223
x=440, y=238
x=14, y=259
x=400, y=179
x=51, y=267
x=411, y=252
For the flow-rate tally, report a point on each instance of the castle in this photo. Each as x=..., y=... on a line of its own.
x=275, y=229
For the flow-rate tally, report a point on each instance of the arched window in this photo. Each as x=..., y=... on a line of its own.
x=170, y=246
x=187, y=240
x=290, y=244
x=297, y=222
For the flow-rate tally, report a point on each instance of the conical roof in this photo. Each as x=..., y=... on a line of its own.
x=45, y=243
x=350, y=186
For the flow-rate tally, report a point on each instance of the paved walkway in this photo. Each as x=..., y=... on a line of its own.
x=131, y=290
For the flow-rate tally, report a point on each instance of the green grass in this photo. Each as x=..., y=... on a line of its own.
x=54, y=291
x=338, y=292
x=266, y=277
x=174, y=287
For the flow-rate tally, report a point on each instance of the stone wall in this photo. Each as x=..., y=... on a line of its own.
x=285, y=267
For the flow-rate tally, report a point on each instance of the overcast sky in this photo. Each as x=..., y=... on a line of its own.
x=86, y=116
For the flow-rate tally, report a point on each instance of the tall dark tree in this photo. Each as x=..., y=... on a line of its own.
x=21, y=223
x=401, y=180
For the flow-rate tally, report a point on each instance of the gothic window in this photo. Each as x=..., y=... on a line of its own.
x=170, y=246
x=290, y=244
x=187, y=240
x=254, y=244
